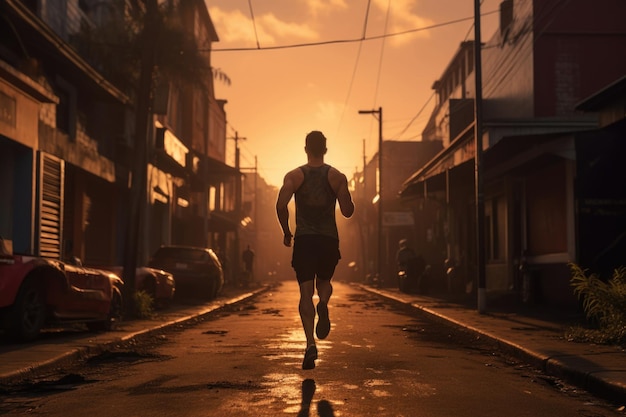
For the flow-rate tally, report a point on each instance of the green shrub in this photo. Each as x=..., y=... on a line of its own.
x=144, y=305
x=604, y=304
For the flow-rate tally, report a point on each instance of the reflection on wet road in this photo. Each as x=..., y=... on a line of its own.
x=379, y=360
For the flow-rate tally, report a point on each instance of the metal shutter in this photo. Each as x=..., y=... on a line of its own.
x=50, y=205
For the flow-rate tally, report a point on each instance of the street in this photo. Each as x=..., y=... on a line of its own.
x=245, y=360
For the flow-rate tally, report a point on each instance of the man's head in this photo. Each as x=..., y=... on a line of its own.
x=315, y=144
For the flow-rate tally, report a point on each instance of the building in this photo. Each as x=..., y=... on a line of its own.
x=400, y=159
x=601, y=198
x=192, y=192
x=69, y=117
x=546, y=57
x=59, y=127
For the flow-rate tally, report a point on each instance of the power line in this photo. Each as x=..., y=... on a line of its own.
x=367, y=13
x=361, y=40
x=513, y=56
x=345, y=41
x=356, y=65
x=417, y=115
x=382, y=53
x=511, y=67
x=256, y=35
x=261, y=170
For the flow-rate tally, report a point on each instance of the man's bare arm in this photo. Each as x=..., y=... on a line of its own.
x=339, y=183
x=282, y=210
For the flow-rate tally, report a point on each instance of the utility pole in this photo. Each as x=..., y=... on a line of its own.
x=238, y=195
x=137, y=194
x=379, y=112
x=256, y=198
x=255, y=222
x=364, y=218
x=478, y=175
x=237, y=166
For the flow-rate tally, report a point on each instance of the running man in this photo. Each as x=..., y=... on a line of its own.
x=317, y=188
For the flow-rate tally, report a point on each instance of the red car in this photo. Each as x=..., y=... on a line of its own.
x=35, y=291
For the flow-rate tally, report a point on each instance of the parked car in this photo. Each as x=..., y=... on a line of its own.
x=196, y=270
x=157, y=283
x=35, y=292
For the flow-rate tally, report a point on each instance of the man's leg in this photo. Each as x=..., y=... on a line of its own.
x=305, y=273
x=307, y=310
x=307, y=315
x=327, y=261
x=324, y=291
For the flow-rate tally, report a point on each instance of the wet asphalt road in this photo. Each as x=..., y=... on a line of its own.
x=379, y=360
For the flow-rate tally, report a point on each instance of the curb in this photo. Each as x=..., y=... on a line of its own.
x=87, y=351
x=554, y=366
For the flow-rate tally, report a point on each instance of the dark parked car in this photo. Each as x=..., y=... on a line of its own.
x=196, y=270
x=158, y=284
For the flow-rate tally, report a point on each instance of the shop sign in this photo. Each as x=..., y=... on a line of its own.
x=398, y=218
x=173, y=147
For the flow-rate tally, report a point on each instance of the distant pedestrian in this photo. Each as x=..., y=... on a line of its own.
x=317, y=188
x=248, y=259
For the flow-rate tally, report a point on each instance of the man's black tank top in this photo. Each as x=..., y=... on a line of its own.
x=315, y=203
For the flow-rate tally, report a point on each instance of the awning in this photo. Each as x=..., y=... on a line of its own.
x=508, y=154
x=614, y=91
x=220, y=169
x=609, y=103
x=461, y=150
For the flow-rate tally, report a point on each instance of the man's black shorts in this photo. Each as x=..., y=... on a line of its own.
x=315, y=256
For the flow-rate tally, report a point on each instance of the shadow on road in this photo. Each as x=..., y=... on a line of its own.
x=324, y=408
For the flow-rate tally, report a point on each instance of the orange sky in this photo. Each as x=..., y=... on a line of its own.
x=278, y=95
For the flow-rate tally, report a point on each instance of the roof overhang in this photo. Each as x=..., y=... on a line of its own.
x=220, y=169
x=26, y=84
x=613, y=92
x=502, y=140
x=461, y=149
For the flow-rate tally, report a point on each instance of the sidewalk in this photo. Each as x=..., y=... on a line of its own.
x=536, y=339
x=17, y=361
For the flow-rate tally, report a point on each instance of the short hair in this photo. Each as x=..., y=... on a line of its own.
x=316, y=143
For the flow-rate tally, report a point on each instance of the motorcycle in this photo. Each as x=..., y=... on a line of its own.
x=410, y=281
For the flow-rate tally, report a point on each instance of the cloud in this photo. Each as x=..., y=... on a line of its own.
x=326, y=6
x=271, y=24
x=403, y=18
x=234, y=26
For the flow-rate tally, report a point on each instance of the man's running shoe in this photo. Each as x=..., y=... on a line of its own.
x=309, y=357
x=323, y=322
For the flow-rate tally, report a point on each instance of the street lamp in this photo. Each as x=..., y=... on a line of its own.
x=379, y=112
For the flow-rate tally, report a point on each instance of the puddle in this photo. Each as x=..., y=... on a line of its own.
x=216, y=332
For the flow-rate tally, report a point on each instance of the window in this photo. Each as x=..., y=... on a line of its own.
x=66, y=109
